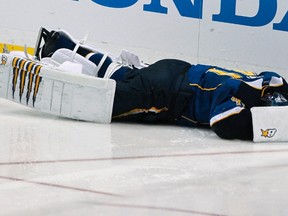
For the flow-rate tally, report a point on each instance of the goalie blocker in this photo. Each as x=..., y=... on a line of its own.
x=50, y=90
x=269, y=123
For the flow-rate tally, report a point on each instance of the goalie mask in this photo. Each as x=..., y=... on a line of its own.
x=274, y=99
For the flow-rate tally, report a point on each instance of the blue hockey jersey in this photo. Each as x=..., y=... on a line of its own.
x=222, y=99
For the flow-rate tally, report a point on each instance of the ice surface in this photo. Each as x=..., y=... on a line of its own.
x=56, y=166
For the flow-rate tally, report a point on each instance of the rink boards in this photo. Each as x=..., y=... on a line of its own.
x=236, y=34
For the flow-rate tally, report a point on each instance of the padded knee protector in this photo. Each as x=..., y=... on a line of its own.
x=47, y=89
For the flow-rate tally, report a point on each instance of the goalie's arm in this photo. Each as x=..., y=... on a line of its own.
x=236, y=125
x=230, y=116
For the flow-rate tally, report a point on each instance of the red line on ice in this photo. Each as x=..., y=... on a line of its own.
x=145, y=157
x=59, y=186
x=109, y=194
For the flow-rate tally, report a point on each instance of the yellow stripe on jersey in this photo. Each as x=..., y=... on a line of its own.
x=246, y=73
x=225, y=73
x=205, y=89
x=226, y=114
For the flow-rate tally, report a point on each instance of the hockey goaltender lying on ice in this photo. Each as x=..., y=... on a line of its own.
x=67, y=78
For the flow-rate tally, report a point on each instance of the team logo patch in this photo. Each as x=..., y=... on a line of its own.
x=237, y=101
x=27, y=74
x=3, y=60
x=269, y=133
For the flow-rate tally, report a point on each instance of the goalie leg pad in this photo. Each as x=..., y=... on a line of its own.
x=270, y=123
x=49, y=90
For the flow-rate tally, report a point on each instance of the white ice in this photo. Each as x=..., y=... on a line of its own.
x=56, y=166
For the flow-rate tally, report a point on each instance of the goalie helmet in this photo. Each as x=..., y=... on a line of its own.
x=274, y=99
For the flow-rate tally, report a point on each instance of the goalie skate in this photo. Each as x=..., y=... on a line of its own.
x=47, y=89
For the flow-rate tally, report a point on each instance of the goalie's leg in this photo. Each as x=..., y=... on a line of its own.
x=151, y=94
x=52, y=91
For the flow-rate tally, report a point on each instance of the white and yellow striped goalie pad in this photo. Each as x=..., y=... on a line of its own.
x=50, y=90
x=270, y=123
